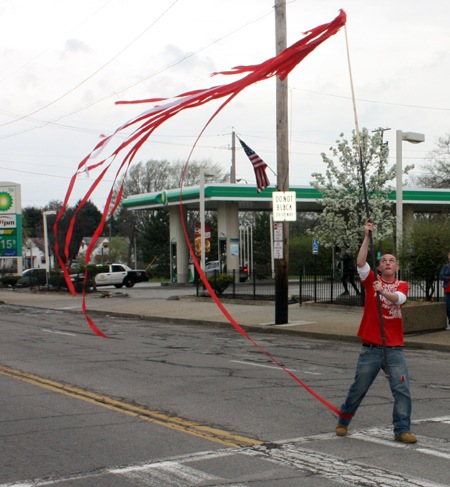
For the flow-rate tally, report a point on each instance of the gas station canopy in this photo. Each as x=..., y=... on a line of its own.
x=248, y=199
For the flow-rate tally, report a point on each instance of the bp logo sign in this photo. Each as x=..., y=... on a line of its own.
x=5, y=201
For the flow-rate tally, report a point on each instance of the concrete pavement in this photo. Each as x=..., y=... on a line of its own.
x=329, y=322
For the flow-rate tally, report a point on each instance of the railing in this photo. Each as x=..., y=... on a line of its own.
x=241, y=286
x=324, y=288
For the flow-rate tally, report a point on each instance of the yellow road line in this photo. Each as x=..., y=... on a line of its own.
x=206, y=432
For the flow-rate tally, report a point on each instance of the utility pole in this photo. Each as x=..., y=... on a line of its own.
x=233, y=158
x=282, y=265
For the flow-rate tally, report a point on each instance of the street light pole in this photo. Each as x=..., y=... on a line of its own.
x=203, y=173
x=413, y=138
x=47, y=263
x=233, y=158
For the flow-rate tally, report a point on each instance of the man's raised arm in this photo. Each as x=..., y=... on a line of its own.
x=362, y=255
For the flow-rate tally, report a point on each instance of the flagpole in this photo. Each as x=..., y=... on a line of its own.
x=233, y=157
x=366, y=201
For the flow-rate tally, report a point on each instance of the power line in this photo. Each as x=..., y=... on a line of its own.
x=48, y=48
x=94, y=73
x=116, y=92
x=372, y=101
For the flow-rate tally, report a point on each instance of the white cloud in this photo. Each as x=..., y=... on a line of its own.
x=75, y=46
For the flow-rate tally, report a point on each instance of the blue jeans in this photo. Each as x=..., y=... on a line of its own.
x=370, y=362
x=447, y=302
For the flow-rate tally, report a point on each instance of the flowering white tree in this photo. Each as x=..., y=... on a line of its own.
x=344, y=213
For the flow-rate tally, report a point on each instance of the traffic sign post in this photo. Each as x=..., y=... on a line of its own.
x=315, y=251
x=315, y=247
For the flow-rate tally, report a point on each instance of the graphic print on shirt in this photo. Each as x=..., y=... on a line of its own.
x=394, y=310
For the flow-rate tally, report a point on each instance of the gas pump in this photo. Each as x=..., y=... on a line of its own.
x=223, y=255
x=173, y=261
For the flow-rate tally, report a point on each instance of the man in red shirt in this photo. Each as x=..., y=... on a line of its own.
x=371, y=358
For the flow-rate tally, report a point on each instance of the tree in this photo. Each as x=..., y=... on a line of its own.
x=437, y=171
x=425, y=250
x=87, y=220
x=154, y=243
x=155, y=176
x=118, y=250
x=32, y=222
x=344, y=214
x=302, y=260
x=304, y=223
x=261, y=243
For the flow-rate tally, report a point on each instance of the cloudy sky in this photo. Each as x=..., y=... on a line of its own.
x=64, y=64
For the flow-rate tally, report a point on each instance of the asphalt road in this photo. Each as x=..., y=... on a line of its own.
x=173, y=405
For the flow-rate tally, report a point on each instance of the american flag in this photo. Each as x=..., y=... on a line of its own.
x=262, y=181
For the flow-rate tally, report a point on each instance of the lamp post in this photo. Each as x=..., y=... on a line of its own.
x=203, y=174
x=413, y=138
x=47, y=263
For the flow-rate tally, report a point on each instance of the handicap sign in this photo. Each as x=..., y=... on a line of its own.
x=315, y=246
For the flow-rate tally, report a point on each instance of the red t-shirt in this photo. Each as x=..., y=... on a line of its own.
x=369, y=330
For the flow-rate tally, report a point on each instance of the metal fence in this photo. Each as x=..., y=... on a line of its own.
x=328, y=289
x=253, y=287
x=324, y=288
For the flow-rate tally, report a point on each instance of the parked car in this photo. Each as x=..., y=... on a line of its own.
x=243, y=273
x=211, y=268
x=120, y=275
x=32, y=277
x=214, y=266
x=38, y=276
x=26, y=272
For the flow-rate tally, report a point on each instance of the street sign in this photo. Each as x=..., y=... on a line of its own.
x=278, y=231
x=315, y=247
x=284, y=206
x=277, y=240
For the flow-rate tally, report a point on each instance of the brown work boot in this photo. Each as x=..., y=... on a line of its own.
x=406, y=438
x=341, y=430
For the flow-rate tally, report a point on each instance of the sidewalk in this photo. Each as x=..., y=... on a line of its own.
x=327, y=322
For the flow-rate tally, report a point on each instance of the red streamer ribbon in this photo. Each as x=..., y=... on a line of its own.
x=280, y=65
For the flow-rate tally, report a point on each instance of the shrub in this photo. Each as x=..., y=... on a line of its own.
x=220, y=282
x=10, y=280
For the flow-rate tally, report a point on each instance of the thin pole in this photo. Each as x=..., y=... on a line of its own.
x=271, y=245
x=248, y=246
x=251, y=253
x=353, y=92
x=366, y=201
x=202, y=217
x=233, y=157
x=282, y=265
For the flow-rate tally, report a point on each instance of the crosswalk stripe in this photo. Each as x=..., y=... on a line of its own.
x=176, y=472
x=169, y=474
x=339, y=470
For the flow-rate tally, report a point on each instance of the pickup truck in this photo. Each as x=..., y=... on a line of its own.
x=120, y=275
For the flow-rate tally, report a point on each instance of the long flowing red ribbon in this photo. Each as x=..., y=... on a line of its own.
x=280, y=65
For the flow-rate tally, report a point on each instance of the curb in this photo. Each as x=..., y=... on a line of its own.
x=208, y=299
x=247, y=328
